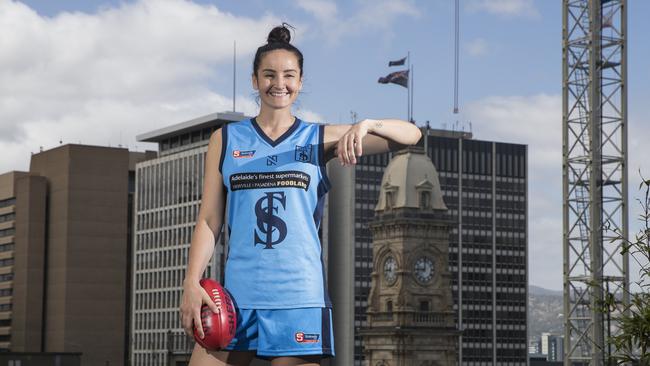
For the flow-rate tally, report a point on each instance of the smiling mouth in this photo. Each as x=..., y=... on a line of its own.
x=278, y=94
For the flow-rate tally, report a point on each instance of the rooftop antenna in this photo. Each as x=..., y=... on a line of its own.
x=234, y=74
x=456, y=40
x=353, y=116
x=426, y=138
x=408, y=88
x=411, y=77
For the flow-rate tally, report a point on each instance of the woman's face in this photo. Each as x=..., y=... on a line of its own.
x=278, y=79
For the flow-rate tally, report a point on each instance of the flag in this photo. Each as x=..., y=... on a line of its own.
x=397, y=77
x=397, y=63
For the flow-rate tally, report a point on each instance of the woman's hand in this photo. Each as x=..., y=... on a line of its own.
x=194, y=296
x=349, y=145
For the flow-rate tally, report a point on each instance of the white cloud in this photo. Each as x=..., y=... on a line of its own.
x=477, y=47
x=638, y=152
x=537, y=121
x=104, y=78
x=371, y=16
x=323, y=10
x=508, y=8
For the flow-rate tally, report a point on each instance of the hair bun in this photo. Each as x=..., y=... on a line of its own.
x=279, y=34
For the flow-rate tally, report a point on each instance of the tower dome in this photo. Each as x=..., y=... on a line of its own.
x=410, y=180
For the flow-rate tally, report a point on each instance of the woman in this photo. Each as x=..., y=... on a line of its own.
x=273, y=169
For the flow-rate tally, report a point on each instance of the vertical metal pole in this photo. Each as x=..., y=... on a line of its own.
x=624, y=179
x=596, y=182
x=460, y=248
x=408, y=88
x=456, y=40
x=565, y=183
x=412, y=76
x=494, y=255
x=234, y=74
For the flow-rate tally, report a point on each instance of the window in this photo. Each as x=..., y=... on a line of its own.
x=389, y=306
x=425, y=199
x=424, y=306
x=389, y=200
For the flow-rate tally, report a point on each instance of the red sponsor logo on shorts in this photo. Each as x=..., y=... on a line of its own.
x=306, y=338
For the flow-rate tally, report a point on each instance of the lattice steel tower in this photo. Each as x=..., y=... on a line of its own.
x=595, y=208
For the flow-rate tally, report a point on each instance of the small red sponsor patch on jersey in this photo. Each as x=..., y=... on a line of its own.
x=243, y=153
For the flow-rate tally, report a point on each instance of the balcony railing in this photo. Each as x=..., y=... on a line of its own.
x=419, y=317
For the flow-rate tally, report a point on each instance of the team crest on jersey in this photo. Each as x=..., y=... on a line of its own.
x=272, y=228
x=243, y=153
x=306, y=337
x=303, y=153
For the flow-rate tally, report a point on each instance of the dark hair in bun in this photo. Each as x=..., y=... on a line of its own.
x=279, y=34
x=278, y=39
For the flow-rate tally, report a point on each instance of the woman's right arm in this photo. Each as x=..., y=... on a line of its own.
x=206, y=234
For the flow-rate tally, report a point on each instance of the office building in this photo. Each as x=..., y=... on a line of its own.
x=484, y=185
x=552, y=345
x=8, y=195
x=70, y=242
x=167, y=201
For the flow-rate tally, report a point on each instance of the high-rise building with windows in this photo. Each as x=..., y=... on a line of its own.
x=552, y=345
x=484, y=185
x=167, y=201
x=8, y=195
x=64, y=240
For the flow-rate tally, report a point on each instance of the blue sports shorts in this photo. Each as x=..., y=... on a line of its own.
x=284, y=332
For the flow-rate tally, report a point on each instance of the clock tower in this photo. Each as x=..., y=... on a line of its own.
x=410, y=308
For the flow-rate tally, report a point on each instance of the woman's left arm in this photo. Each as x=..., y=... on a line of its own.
x=370, y=136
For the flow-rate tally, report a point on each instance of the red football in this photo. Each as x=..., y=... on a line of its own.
x=218, y=328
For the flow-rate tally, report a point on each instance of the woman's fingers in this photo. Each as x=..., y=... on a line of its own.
x=208, y=301
x=350, y=143
x=341, y=150
x=358, y=145
x=348, y=148
x=197, y=322
x=186, y=321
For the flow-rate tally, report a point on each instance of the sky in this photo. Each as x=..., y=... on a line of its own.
x=100, y=72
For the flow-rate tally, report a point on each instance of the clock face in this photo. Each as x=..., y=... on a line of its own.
x=423, y=269
x=390, y=269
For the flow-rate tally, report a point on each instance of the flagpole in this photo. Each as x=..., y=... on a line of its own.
x=456, y=42
x=408, y=94
x=234, y=73
x=412, y=76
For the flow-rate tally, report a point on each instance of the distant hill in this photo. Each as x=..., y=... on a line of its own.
x=545, y=308
x=536, y=290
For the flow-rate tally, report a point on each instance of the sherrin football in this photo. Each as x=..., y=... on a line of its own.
x=218, y=328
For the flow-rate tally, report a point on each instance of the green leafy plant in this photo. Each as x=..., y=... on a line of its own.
x=632, y=340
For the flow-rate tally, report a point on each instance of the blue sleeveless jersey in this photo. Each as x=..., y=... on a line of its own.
x=276, y=194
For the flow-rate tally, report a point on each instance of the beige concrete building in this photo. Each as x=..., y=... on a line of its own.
x=167, y=200
x=7, y=250
x=68, y=225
